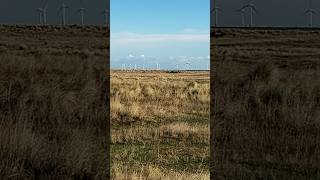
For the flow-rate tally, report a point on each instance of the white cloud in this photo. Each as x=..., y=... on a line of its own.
x=197, y=31
x=125, y=38
x=131, y=56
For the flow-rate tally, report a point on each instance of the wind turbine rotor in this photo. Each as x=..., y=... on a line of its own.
x=44, y=7
x=216, y=11
x=40, y=11
x=63, y=10
x=82, y=11
x=106, y=16
x=251, y=6
x=242, y=13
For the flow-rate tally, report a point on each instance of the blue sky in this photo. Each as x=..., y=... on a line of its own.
x=172, y=33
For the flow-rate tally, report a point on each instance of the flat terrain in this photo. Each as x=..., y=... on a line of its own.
x=160, y=125
x=52, y=102
x=267, y=112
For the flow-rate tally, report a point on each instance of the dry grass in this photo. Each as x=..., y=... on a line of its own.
x=121, y=172
x=160, y=125
x=153, y=97
x=268, y=111
x=52, y=114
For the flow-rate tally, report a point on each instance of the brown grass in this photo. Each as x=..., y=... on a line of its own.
x=160, y=125
x=52, y=112
x=266, y=121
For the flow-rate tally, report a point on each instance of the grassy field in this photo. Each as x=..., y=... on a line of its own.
x=52, y=102
x=160, y=125
x=267, y=110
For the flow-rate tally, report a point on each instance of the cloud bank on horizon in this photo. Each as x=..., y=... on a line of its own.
x=167, y=34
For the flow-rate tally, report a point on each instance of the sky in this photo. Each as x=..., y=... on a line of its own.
x=24, y=11
x=285, y=13
x=171, y=33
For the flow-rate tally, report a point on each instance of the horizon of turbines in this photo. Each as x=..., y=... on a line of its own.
x=252, y=9
x=42, y=14
x=134, y=67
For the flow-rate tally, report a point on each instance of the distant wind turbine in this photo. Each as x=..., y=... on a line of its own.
x=177, y=66
x=44, y=12
x=158, y=66
x=216, y=11
x=252, y=8
x=40, y=11
x=311, y=12
x=242, y=13
x=187, y=66
x=106, y=16
x=63, y=10
x=81, y=11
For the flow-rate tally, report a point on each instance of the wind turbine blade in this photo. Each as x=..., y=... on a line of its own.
x=245, y=6
x=255, y=10
x=247, y=2
x=307, y=11
x=314, y=12
x=219, y=9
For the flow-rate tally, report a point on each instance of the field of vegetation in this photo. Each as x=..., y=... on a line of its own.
x=266, y=121
x=160, y=125
x=53, y=102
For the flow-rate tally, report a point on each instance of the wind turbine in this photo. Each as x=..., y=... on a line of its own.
x=252, y=8
x=311, y=12
x=242, y=13
x=81, y=11
x=177, y=66
x=44, y=12
x=144, y=61
x=158, y=65
x=216, y=11
x=40, y=11
x=187, y=66
x=106, y=16
x=63, y=9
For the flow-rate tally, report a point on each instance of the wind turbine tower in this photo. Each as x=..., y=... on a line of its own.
x=311, y=12
x=44, y=13
x=177, y=66
x=158, y=66
x=106, y=16
x=81, y=11
x=40, y=11
x=63, y=9
x=253, y=9
x=216, y=11
x=242, y=13
x=187, y=66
